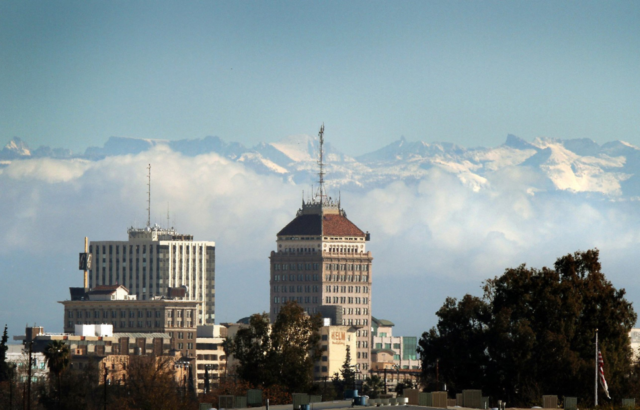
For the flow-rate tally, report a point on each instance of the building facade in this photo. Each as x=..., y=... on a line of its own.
x=392, y=352
x=154, y=260
x=334, y=341
x=211, y=360
x=321, y=260
x=112, y=305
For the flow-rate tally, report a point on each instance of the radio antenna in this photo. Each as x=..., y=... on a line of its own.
x=149, y=196
x=321, y=165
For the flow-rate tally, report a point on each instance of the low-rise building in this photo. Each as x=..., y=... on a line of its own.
x=18, y=357
x=211, y=359
x=113, y=305
x=394, y=356
x=334, y=342
x=98, y=346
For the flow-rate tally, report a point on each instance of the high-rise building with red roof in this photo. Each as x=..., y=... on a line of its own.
x=321, y=262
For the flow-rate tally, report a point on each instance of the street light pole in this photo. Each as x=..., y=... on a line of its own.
x=105, y=384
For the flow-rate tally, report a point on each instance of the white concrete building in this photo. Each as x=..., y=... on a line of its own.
x=154, y=260
x=211, y=359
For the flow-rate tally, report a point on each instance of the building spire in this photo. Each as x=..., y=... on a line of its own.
x=321, y=192
x=149, y=197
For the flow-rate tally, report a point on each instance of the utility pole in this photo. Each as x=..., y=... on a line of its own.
x=29, y=376
x=596, y=365
x=385, y=381
x=105, y=384
x=437, y=374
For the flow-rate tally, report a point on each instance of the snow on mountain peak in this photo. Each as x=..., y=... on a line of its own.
x=17, y=148
x=297, y=147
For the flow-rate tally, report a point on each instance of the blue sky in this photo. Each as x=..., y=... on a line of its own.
x=75, y=73
x=72, y=74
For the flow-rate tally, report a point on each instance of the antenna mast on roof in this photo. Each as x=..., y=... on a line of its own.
x=321, y=165
x=149, y=197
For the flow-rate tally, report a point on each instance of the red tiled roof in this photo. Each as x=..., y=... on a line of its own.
x=313, y=225
x=339, y=225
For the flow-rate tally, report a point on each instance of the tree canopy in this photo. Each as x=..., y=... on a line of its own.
x=282, y=354
x=533, y=333
x=4, y=366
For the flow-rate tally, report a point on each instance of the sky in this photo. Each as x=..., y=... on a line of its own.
x=72, y=74
x=75, y=73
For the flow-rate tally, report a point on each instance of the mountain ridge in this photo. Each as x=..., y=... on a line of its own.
x=574, y=165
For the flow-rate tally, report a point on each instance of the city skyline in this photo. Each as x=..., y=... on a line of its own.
x=469, y=73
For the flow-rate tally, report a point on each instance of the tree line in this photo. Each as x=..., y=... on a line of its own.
x=533, y=333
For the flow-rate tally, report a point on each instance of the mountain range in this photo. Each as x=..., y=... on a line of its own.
x=543, y=165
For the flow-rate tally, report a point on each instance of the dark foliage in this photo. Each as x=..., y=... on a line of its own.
x=282, y=356
x=533, y=334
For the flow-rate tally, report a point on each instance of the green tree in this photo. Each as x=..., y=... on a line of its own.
x=373, y=386
x=347, y=371
x=346, y=378
x=533, y=333
x=252, y=348
x=281, y=355
x=4, y=366
x=459, y=342
x=57, y=355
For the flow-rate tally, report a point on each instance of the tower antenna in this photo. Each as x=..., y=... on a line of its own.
x=149, y=196
x=321, y=165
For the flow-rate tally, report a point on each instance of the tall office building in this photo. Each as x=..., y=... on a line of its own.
x=155, y=261
x=321, y=259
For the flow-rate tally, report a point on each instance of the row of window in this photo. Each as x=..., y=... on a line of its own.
x=296, y=266
x=160, y=249
x=346, y=289
x=298, y=299
x=396, y=346
x=355, y=322
x=131, y=313
x=299, y=288
x=181, y=346
x=307, y=278
x=347, y=266
x=346, y=278
x=343, y=299
x=132, y=323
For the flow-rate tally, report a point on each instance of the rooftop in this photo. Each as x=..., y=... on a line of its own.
x=382, y=322
x=333, y=224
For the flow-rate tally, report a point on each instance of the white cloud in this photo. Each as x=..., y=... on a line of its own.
x=430, y=239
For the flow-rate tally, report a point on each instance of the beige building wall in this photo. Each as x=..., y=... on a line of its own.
x=334, y=341
x=174, y=317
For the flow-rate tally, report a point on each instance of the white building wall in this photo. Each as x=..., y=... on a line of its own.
x=149, y=267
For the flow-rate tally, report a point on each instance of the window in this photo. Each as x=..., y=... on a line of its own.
x=396, y=346
x=324, y=337
x=324, y=358
x=378, y=345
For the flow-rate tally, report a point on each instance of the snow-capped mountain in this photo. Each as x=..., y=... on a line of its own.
x=578, y=165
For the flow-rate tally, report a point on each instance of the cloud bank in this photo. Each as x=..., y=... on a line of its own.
x=431, y=238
